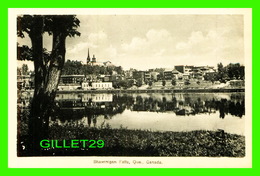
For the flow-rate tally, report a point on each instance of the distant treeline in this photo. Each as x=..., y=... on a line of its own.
x=225, y=73
x=77, y=68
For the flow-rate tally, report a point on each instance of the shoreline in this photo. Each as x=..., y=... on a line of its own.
x=154, y=91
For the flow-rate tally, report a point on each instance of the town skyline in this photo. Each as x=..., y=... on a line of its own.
x=172, y=67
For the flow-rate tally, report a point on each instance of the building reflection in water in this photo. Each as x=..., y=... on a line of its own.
x=209, y=111
x=107, y=105
x=73, y=107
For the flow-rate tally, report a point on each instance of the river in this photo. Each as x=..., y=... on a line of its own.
x=155, y=112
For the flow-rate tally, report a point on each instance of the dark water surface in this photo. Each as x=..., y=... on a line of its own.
x=163, y=112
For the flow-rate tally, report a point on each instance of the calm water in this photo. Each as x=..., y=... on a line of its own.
x=163, y=112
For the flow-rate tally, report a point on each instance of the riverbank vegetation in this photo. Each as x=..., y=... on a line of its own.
x=125, y=142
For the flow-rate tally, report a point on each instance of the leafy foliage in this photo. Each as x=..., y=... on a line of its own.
x=24, y=69
x=36, y=25
x=225, y=73
x=28, y=24
x=235, y=71
x=72, y=67
x=139, y=82
x=173, y=82
x=163, y=83
x=65, y=24
x=24, y=53
x=150, y=83
x=123, y=83
x=186, y=82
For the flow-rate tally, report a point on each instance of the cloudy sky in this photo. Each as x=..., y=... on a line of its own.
x=153, y=41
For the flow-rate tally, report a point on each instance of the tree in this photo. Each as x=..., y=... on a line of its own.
x=222, y=73
x=24, y=69
x=116, y=84
x=242, y=72
x=139, y=82
x=235, y=71
x=19, y=71
x=173, y=82
x=160, y=76
x=47, y=66
x=186, y=82
x=24, y=52
x=122, y=84
x=163, y=83
x=150, y=83
x=220, y=67
x=119, y=70
x=130, y=83
x=146, y=81
x=211, y=77
x=73, y=68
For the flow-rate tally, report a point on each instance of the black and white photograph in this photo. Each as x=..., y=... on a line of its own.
x=132, y=87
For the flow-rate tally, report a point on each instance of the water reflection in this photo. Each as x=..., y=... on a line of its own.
x=148, y=110
x=78, y=105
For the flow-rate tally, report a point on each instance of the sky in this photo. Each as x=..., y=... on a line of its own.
x=156, y=41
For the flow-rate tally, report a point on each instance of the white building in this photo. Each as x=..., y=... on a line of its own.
x=97, y=85
x=97, y=97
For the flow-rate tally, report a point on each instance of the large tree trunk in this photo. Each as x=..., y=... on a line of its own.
x=47, y=76
x=35, y=118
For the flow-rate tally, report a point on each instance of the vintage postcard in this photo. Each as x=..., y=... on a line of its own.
x=130, y=88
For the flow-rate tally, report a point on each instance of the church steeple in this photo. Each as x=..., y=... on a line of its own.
x=88, y=58
x=93, y=59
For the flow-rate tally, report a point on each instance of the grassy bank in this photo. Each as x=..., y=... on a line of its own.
x=124, y=142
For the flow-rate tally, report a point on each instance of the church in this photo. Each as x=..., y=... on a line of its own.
x=93, y=61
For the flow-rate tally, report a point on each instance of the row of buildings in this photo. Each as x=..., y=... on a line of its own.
x=89, y=82
x=180, y=72
x=93, y=81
